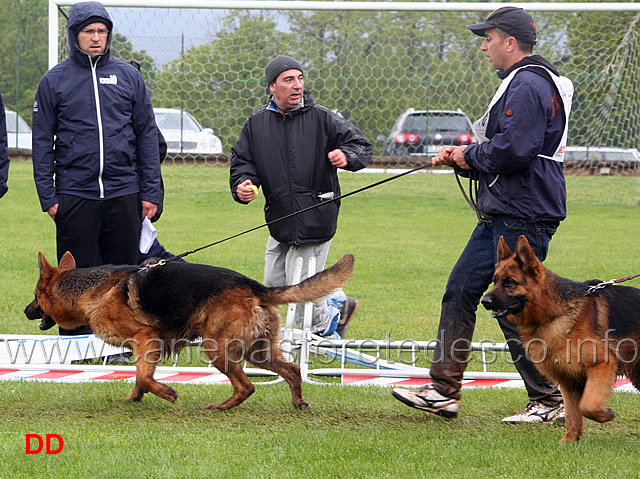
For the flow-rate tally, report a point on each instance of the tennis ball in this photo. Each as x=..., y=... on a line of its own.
x=254, y=188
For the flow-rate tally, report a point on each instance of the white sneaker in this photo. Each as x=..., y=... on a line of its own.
x=428, y=399
x=538, y=412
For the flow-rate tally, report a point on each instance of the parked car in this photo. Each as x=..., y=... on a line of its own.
x=423, y=132
x=601, y=154
x=18, y=131
x=184, y=134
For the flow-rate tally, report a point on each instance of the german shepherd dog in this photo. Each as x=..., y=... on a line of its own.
x=578, y=336
x=171, y=304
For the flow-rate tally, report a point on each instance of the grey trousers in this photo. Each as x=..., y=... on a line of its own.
x=279, y=263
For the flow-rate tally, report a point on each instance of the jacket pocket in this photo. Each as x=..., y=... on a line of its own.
x=313, y=217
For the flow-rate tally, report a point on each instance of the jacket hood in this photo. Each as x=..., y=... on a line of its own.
x=81, y=15
x=529, y=60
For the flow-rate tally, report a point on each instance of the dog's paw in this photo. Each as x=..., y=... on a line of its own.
x=302, y=404
x=570, y=437
x=218, y=407
x=169, y=394
x=603, y=415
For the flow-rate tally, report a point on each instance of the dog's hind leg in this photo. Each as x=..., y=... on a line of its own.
x=146, y=361
x=600, y=380
x=574, y=421
x=242, y=386
x=272, y=360
x=265, y=353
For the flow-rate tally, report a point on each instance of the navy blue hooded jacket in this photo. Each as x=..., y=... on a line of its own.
x=94, y=131
x=526, y=122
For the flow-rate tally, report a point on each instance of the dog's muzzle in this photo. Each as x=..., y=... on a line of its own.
x=499, y=309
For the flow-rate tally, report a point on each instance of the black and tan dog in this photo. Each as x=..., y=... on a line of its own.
x=158, y=309
x=578, y=336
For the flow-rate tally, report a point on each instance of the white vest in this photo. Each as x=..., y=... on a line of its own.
x=565, y=88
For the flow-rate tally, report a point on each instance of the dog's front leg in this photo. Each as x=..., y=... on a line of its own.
x=146, y=361
x=600, y=380
x=242, y=386
x=574, y=421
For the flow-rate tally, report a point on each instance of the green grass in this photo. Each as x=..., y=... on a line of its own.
x=406, y=235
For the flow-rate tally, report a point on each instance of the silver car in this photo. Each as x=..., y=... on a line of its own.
x=184, y=134
x=18, y=132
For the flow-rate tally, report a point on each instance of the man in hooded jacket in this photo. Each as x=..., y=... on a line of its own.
x=95, y=147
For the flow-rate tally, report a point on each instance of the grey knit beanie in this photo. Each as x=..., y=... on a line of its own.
x=278, y=65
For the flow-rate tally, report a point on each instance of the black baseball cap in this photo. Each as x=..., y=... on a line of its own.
x=512, y=20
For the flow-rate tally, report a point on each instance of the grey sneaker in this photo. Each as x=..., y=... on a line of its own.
x=428, y=399
x=538, y=412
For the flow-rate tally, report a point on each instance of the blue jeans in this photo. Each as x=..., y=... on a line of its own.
x=468, y=281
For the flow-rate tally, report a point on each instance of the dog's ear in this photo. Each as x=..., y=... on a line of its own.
x=503, y=249
x=67, y=261
x=43, y=264
x=525, y=254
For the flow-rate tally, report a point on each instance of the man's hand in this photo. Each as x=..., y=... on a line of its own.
x=245, y=192
x=53, y=211
x=337, y=158
x=148, y=209
x=450, y=155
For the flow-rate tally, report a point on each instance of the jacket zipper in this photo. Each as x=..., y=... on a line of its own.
x=290, y=163
x=99, y=117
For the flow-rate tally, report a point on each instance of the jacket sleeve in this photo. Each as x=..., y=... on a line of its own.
x=520, y=132
x=147, y=145
x=351, y=141
x=4, y=151
x=43, y=154
x=242, y=164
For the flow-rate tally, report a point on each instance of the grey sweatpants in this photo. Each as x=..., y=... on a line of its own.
x=279, y=264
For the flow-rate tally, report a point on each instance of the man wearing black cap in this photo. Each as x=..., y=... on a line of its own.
x=518, y=172
x=292, y=148
x=96, y=163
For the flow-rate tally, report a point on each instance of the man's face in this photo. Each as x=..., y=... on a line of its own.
x=495, y=46
x=287, y=90
x=92, y=39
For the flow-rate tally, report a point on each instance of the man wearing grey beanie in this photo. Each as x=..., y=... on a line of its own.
x=292, y=148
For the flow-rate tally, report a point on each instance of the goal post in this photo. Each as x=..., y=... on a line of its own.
x=373, y=60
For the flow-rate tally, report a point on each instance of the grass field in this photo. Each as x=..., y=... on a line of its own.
x=406, y=235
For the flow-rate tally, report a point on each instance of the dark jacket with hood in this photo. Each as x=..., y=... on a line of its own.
x=286, y=155
x=94, y=131
x=526, y=122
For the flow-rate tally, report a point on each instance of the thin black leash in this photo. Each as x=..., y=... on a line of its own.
x=337, y=198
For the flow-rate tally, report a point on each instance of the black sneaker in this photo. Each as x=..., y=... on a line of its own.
x=123, y=358
x=346, y=315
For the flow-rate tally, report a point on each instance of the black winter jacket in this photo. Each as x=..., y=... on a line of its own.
x=94, y=147
x=286, y=155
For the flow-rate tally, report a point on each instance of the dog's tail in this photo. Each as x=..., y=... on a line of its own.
x=315, y=287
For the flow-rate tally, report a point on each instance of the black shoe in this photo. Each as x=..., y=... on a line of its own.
x=346, y=315
x=123, y=358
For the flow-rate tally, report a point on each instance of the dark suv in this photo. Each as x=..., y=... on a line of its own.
x=423, y=132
